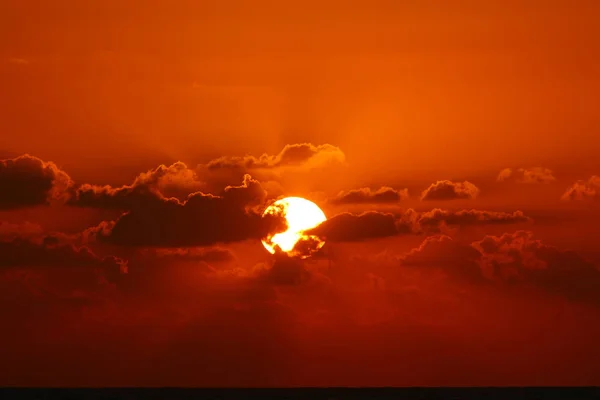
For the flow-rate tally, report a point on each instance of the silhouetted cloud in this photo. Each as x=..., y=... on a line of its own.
x=27, y=181
x=122, y=198
x=178, y=180
x=201, y=220
x=526, y=175
x=581, y=190
x=510, y=258
x=373, y=224
x=50, y=254
x=175, y=180
x=347, y=227
x=438, y=216
x=282, y=270
x=367, y=196
x=447, y=190
x=292, y=155
x=148, y=189
x=518, y=257
x=442, y=251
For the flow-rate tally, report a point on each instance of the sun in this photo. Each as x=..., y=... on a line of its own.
x=301, y=215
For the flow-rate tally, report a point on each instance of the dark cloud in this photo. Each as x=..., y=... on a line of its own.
x=272, y=325
x=436, y=217
x=443, y=251
x=584, y=190
x=348, y=227
x=351, y=227
x=243, y=324
x=27, y=181
x=307, y=246
x=367, y=196
x=518, y=257
x=292, y=155
x=526, y=175
x=282, y=270
x=295, y=166
x=175, y=180
x=447, y=190
x=122, y=198
x=163, y=183
x=50, y=254
x=508, y=259
x=201, y=220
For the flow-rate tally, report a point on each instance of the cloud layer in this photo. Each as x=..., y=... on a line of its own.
x=201, y=220
x=303, y=155
x=448, y=190
x=27, y=181
x=581, y=190
x=526, y=175
x=373, y=224
x=383, y=195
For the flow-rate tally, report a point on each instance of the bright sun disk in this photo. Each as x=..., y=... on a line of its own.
x=301, y=215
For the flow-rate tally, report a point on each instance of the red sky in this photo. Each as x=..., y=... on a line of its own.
x=453, y=148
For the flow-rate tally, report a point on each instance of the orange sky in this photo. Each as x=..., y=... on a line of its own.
x=395, y=84
x=398, y=118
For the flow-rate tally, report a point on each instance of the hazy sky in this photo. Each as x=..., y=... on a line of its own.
x=453, y=146
x=405, y=88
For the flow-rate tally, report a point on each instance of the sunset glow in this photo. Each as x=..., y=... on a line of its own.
x=323, y=194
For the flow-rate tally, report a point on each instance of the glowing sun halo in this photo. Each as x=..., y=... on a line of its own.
x=301, y=215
